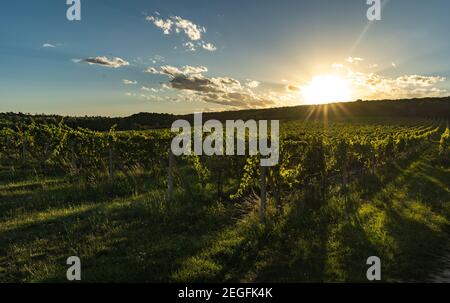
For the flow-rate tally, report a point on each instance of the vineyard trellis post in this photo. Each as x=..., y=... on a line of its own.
x=276, y=194
x=262, y=208
x=170, y=176
x=24, y=149
x=110, y=163
x=73, y=160
x=46, y=156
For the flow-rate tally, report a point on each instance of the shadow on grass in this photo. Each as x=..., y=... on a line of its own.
x=399, y=218
x=140, y=239
x=415, y=206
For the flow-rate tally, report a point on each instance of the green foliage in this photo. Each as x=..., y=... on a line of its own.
x=395, y=205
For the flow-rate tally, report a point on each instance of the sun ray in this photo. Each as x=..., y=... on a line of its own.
x=366, y=30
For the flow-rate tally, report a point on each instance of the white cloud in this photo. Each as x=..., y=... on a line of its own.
x=374, y=86
x=149, y=89
x=337, y=65
x=48, y=45
x=129, y=82
x=174, y=71
x=165, y=25
x=158, y=58
x=354, y=60
x=189, y=70
x=209, y=47
x=104, y=61
x=177, y=24
x=193, y=31
x=252, y=84
x=190, y=46
x=145, y=61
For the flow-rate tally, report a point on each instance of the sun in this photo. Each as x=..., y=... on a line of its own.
x=326, y=89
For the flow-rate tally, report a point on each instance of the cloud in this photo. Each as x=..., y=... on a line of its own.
x=190, y=46
x=146, y=61
x=129, y=82
x=104, y=61
x=209, y=47
x=193, y=31
x=337, y=65
x=238, y=100
x=174, y=71
x=189, y=70
x=165, y=25
x=354, y=60
x=48, y=45
x=218, y=90
x=372, y=86
x=177, y=24
x=149, y=89
x=252, y=84
x=293, y=88
x=152, y=70
x=416, y=80
x=158, y=58
x=375, y=86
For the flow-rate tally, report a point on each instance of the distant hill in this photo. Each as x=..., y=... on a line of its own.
x=425, y=107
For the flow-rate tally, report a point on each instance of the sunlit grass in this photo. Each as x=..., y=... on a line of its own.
x=131, y=233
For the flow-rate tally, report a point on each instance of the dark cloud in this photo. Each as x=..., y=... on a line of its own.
x=292, y=88
x=218, y=90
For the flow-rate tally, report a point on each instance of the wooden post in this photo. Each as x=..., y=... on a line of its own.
x=111, y=163
x=24, y=149
x=373, y=162
x=170, y=176
x=46, y=155
x=262, y=208
x=72, y=158
x=276, y=195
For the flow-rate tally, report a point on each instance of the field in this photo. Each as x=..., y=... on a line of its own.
x=343, y=191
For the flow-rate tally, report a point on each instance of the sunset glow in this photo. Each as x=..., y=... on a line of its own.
x=326, y=89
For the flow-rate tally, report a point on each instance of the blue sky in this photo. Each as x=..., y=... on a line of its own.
x=261, y=54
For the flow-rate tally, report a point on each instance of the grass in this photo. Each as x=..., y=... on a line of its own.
x=128, y=232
